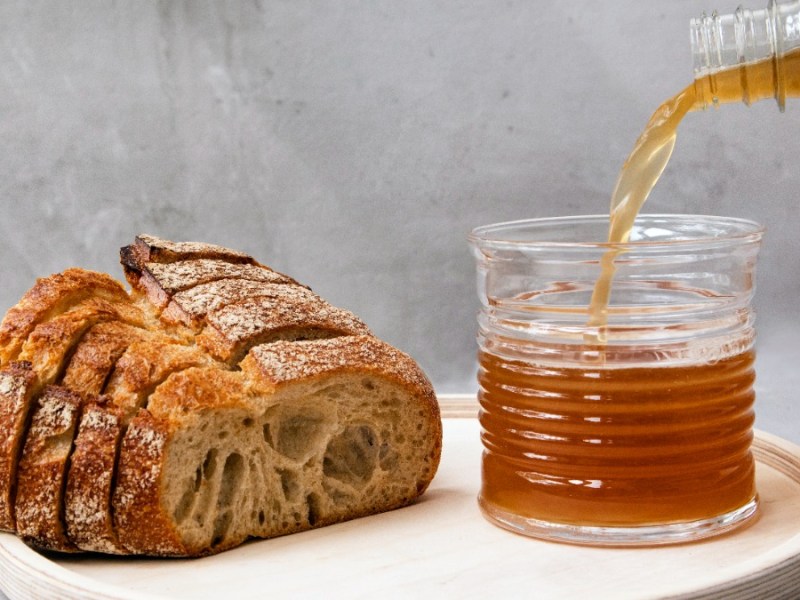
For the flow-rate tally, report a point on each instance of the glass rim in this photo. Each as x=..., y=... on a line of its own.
x=739, y=230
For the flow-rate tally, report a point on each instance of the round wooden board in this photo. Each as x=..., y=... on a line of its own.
x=442, y=547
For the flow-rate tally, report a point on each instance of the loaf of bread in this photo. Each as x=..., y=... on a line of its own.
x=217, y=401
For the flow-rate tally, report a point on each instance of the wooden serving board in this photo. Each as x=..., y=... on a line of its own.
x=442, y=547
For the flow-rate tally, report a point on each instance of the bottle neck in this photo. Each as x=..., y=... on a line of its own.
x=746, y=47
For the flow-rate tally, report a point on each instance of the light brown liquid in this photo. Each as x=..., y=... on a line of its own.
x=749, y=82
x=616, y=446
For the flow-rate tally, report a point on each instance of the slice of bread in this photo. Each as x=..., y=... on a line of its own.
x=18, y=386
x=90, y=481
x=307, y=434
x=41, y=477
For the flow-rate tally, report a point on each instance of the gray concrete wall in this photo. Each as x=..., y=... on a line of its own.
x=353, y=144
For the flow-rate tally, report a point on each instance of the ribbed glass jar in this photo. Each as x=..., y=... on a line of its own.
x=643, y=438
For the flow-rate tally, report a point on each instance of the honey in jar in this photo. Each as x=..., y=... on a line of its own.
x=619, y=446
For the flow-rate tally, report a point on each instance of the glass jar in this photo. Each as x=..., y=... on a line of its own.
x=641, y=438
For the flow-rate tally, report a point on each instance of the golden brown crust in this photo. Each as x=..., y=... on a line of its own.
x=17, y=387
x=144, y=366
x=286, y=362
x=158, y=282
x=49, y=297
x=149, y=249
x=95, y=356
x=50, y=343
x=39, y=503
x=142, y=526
x=198, y=389
x=87, y=499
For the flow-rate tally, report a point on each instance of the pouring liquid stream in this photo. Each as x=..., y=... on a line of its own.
x=748, y=82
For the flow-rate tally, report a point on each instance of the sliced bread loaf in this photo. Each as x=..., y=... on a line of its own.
x=235, y=403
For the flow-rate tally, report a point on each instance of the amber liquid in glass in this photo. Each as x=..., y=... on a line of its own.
x=617, y=447
x=605, y=445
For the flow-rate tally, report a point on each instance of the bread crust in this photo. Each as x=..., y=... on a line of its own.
x=143, y=367
x=286, y=362
x=152, y=249
x=235, y=328
x=94, y=358
x=139, y=519
x=39, y=504
x=49, y=297
x=190, y=307
x=49, y=345
x=18, y=385
x=92, y=471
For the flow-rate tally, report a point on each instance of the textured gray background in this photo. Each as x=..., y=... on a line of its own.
x=354, y=144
